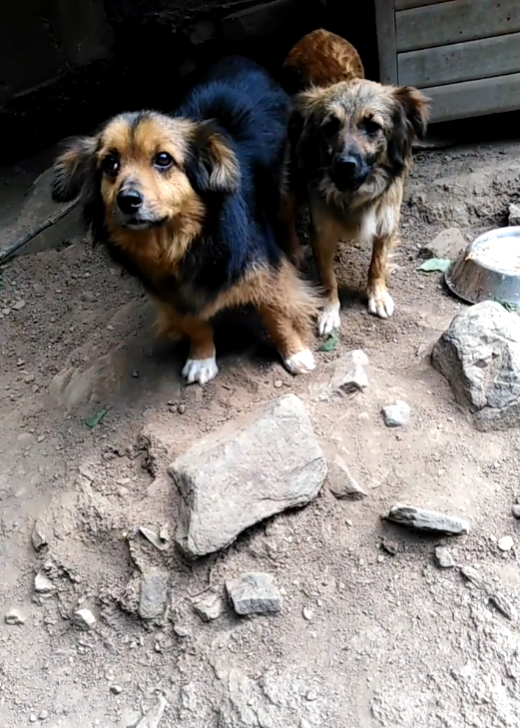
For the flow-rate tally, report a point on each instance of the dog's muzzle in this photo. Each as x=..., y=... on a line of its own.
x=348, y=171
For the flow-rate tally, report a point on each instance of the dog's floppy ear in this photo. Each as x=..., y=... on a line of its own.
x=73, y=167
x=410, y=122
x=214, y=164
x=416, y=109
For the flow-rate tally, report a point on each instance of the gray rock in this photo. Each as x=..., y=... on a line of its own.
x=396, y=415
x=154, y=715
x=209, y=608
x=514, y=215
x=499, y=600
x=344, y=376
x=424, y=520
x=444, y=558
x=516, y=511
x=341, y=482
x=245, y=472
x=160, y=539
x=153, y=595
x=479, y=355
x=38, y=535
x=505, y=543
x=42, y=584
x=446, y=245
x=15, y=617
x=254, y=593
x=84, y=619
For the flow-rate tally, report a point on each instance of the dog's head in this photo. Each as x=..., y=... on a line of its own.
x=354, y=135
x=146, y=170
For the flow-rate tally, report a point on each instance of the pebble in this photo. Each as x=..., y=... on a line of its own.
x=19, y=305
x=254, y=593
x=116, y=689
x=209, y=608
x=15, y=617
x=516, y=511
x=341, y=482
x=153, y=594
x=33, y=718
x=424, y=520
x=181, y=409
x=391, y=547
x=505, y=543
x=308, y=614
x=84, y=619
x=311, y=695
x=444, y=558
x=278, y=383
x=160, y=540
x=396, y=415
x=38, y=536
x=42, y=584
x=44, y=715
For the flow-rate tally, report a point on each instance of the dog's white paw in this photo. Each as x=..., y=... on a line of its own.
x=301, y=363
x=329, y=319
x=381, y=303
x=200, y=370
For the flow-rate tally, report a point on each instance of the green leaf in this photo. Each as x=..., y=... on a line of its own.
x=435, y=265
x=96, y=419
x=330, y=343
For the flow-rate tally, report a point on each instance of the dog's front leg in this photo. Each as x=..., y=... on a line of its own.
x=380, y=302
x=201, y=365
x=324, y=240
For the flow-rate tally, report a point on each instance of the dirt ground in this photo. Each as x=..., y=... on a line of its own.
x=386, y=640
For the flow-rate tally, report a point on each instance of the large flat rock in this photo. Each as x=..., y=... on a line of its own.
x=245, y=472
x=479, y=355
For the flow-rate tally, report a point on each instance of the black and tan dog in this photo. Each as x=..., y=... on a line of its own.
x=190, y=204
x=351, y=148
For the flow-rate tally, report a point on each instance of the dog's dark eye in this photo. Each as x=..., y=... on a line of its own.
x=163, y=160
x=331, y=126
x=111, y=165
x=371, y=126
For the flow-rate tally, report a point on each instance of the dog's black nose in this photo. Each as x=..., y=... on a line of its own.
x=129, y=201
x=348, y=171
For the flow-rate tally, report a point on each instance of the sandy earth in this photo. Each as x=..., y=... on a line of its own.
x=386, y=640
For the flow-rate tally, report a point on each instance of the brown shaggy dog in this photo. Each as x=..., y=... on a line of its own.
x=189, y=203
x=351, y=149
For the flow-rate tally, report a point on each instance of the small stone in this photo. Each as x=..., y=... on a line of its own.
x=278, y=383
x=209, y=608
x=84, y=619
x=424, y=520
x=181, y=408
x=312, y=695
x=344, y=376
x=14, y=617
x=19, y=305
x=396, y=415
x=444, y=558
x=135, y=374
x=29, y=378
x=153, y=594
x=391, y=547
x=154, y=715
x=42, y=584
x=308, y=614
x=116, y=689
x=33, y=718
x=516, y=511
x=254, y=593
x=157, y=539
x=341, y=482
x=44, y=715
x=514, y=215
x=505, y=543
x=446, y=245
x=129, y=719
x=38, y=535
x=181, y=631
